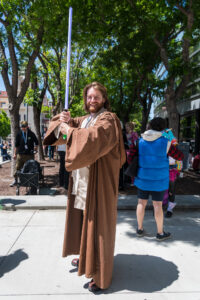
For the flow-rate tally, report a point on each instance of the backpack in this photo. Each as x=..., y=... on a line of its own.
x=32, y=166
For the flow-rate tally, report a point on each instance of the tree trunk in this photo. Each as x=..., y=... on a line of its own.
x=173, y=116
x=145, y=117
x=36, y=113
x=14, y=121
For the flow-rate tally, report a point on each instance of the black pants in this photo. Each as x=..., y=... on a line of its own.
x=172, y=186
x=51, y=152
x=63, y=174
x=121, y=178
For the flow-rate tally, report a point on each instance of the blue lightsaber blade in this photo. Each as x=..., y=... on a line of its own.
x=68, y=59
x=68, y=63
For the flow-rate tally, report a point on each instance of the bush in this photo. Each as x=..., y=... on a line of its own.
x=4, y=124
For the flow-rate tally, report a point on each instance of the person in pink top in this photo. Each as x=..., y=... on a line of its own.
x=131, y=135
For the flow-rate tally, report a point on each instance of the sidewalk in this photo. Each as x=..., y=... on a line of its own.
x=125, y=202
x=31, y=266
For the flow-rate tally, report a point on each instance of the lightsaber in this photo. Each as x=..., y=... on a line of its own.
x=68, y=59
x=68, y=63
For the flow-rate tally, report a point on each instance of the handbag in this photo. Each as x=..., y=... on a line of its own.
x=132, y=169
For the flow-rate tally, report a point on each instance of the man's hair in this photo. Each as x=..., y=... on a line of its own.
x=102, y=89
x=157, y=124
x=24, y=124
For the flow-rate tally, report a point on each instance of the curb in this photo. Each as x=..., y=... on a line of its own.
x=120, y=208
x=4, y=162
x=125, y=202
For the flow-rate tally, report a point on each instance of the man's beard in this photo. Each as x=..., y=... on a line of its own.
x=96, y=108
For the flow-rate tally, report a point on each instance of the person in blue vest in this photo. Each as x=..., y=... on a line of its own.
x=153, y=173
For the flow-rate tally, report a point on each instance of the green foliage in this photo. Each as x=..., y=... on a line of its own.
x=136, y=117
x=113, y=42
x=76, y=108
x=32, y=97
x=47, y=110
x=25, y=18
x=4, y=124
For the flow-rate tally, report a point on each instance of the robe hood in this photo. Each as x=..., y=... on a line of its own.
x=151, y=135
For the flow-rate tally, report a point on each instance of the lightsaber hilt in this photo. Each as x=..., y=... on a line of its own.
x=64, y=135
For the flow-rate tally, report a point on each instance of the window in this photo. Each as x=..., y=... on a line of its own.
x=187, y=127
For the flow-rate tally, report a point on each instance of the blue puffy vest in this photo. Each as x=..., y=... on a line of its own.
x=153, y=171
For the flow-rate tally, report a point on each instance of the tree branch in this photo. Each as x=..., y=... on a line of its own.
x=131, y=3
x=30, y=64
x=5, y=23
x=181, y=9
x=14, y=62
x=181, y=88
x=163, y=53
x=4, y=71
x=51, y=93
x=13, y=57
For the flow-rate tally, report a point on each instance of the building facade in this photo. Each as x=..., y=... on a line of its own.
x=25, y=112
x=188, y=106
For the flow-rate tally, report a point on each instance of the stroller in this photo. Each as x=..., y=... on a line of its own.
x=30, y=176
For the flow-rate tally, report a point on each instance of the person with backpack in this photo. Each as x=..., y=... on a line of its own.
x=153, y=172
x=25, y=145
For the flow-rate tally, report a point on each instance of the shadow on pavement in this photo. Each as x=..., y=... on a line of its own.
x=142, y=273
x=11, y=201
x=185, y=229
x=11, y=261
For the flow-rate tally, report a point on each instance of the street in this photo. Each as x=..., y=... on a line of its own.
x=31, y=266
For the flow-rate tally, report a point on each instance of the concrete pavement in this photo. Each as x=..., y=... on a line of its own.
x=31, y=266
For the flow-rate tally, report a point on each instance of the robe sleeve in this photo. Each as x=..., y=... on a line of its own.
x=86, y=145
x=50, y=138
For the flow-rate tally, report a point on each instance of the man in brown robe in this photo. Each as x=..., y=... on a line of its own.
x=94, y=153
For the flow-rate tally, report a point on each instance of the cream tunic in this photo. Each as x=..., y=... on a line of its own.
x=81, y=176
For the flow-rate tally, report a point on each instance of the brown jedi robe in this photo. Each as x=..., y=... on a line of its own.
x=93, y=237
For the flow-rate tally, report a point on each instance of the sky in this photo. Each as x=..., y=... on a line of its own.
x=2, y=87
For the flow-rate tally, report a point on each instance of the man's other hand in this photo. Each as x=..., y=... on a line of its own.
x=64, y=128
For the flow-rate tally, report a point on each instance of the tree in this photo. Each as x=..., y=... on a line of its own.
x=25, y=25
x=142, y=34
x=52, y=62
x=175, y=55
x=4, y=124
x=34, y=97
x=126, y=56
x=173, y=26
